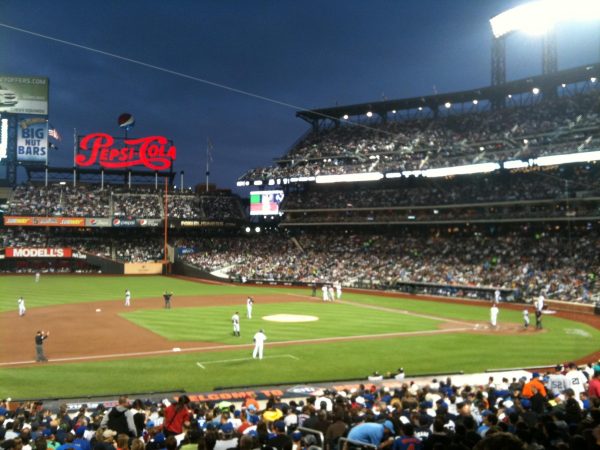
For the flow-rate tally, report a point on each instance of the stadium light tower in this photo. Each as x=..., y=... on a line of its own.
x=537, y=18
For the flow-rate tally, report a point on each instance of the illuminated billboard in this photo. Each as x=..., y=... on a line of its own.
x=24, y=95
x=153, y=152
x=265, y=203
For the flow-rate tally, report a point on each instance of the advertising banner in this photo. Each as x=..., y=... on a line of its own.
x=24, y=95
x=28, y=221
x=32, y=141
x=25, y=252
x=149, y=222
x=148, y=268
x=97, y=222
x=124, y=223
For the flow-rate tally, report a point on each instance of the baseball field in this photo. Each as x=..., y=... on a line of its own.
x=99, y=346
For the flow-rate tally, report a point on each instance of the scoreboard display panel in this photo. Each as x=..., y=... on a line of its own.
x=265, y=203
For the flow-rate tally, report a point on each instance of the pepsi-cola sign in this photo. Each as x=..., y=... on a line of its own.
x=154, y=152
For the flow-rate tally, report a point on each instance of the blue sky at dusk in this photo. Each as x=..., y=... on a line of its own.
x=304, y=53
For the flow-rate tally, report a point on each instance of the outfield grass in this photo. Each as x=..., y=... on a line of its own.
x=563, y=340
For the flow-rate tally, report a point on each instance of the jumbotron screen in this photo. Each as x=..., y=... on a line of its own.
x=265, y=203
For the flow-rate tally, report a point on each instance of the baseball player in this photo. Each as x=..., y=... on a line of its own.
x=338, y=290
x=331, y=293
x=249, y=303
x=40, y=337
x=235, y=320
x=539, y=305
x=526, y=318
x=127, y=297
x=37, y=277
x=497, y=296
x=259, y=344
x=325, y=293
x=167, y=297
x=21, y=304
x=494, y=315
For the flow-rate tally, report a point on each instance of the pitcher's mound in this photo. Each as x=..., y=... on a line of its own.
x=290, y=318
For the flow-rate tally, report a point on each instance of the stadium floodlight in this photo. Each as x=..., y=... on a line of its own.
x=509, y=95
x=515, y=164
x=420, y=108
x=535, y=91
x=475, y=101
x=393, y=111
x=461, y=170
x=257, y=229
x=538, y=17
x=349, y=177
x=345, y=117
x=369, y=114
x=593, y=79
x=568, y=158
x=447, y=105
x=564, y=85
x=248, y=229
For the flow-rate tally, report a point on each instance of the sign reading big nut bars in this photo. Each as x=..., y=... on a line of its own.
x=154, y=152
x=12, y=252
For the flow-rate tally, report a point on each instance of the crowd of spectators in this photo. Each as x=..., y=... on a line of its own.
x=562, y=125
x=141, y=202
x=557, y=410
x=526, y=263
x=547, y=184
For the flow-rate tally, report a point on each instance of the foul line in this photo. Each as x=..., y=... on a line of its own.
x=242, y=346
x=202, y=364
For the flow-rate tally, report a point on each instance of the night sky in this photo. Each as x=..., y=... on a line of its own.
x=308, y=54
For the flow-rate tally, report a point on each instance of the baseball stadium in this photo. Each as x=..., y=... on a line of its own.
x=423, y=266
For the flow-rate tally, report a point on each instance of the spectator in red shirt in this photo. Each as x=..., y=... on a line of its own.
x=176, y=415
x=594, y=385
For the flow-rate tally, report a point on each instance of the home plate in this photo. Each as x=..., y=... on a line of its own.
x=98, y=310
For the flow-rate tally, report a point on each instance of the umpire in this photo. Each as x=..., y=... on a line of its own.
x=40, y=337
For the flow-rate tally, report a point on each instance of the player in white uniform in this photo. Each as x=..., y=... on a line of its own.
x=127, y=297
x=259, y=344
x=494, y=315
x=325, y=293
x=338, y=290
x=21, y=303
x=497, y=296
x=235, y=320
x=539, y=304
x=526, y=318
x=331, y=293
x=249, y=304
x=37, y=277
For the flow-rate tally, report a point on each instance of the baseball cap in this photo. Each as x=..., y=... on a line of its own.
x=280, y=425
x=535, y=375
x=159, y=438
x=389, y=425
x=297, y=435
x=80, y=430
x=227, y=427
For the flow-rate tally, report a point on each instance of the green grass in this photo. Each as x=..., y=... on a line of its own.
x=563, y=340
x=334, y=320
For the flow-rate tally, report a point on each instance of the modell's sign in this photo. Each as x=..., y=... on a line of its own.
x=12, y=252
x=154, y=152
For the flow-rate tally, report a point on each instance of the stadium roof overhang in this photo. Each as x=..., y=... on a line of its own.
x=490, y=93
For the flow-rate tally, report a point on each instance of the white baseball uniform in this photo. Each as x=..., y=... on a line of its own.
x=127, y=297
x=259, y=344
x=338, y=290
x=235, y=320
x=494, y=315
x=249, y=303
x=21, y=303
x=37, y=277
x=325, y=293
x=539, y=305
x=497, y=296
x=526, y=318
